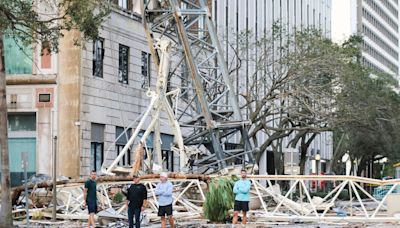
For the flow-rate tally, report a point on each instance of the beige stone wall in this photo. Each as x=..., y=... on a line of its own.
x=69, y=106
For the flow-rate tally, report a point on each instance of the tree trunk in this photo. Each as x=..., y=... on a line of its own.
x=5, y=212
x=303, y=148
x=278, y=160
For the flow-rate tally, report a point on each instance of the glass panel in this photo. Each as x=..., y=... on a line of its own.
x=45, y=59
x=99, y=156
x=18, y=145
x=22, y=122
x=123, y=64
x=145, y=70
x=18, y=59
x=97, y=132
x=98, y=55
x=123, y=139
x=92, y=153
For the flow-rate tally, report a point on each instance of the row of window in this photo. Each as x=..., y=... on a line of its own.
x=97, y=148
x=371, y=35
x=390, y=7
x=378, y=25
x=123, y=63
x=378, y=56
x=371, y=65
x=382, y=14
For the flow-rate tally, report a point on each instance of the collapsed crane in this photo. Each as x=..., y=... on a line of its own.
x=193, y=88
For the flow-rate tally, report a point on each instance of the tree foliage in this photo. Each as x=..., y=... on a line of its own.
x=305, y=84
x=372, y=101
x=46, y=21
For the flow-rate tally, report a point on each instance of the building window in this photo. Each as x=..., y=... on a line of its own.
x=123, y=64
x=22, y=122
x=168, y=158
x=45, y=58
x=146, y=69
x=121, y=140
x=97, y=147
x=98, y=56
x=44, y=97
x=17, y=57
x=123, y=4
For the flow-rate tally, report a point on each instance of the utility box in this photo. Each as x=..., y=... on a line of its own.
x=393, y=206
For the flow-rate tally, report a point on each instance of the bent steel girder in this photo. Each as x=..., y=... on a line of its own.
x=207, y=108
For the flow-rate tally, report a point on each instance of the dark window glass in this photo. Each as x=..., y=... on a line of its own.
x=123, y=64
x=97, y=146
x=96, y=155
x=146, y=69
x=22, y=122
x=44, y=97
x=98, y=56
x=121, y=140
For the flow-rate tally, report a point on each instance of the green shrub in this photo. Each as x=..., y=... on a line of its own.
x=219, y=199
x=118, y=197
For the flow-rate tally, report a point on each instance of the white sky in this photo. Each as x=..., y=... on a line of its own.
x=343, y=19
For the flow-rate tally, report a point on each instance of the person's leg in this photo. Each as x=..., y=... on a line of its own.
x=91, y=206
x=235, y=217
x=244, y=220
x=163, y=222
x=171, y=221
x=90, y=220
x=130, y=217
x=137, y=217
x=93, y=221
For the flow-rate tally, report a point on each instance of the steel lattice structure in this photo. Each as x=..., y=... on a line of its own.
x=207, y=108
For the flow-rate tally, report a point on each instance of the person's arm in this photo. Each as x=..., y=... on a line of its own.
x=127, y=198
x=245, y=188
x=84, y=196
x=168, y=191
x=144, y=198
x=236, y=188
x=159, y=191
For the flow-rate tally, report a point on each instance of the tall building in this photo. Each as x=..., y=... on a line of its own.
x=259, y=16
x=378, y=23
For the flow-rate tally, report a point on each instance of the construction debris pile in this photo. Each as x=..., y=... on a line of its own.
x=346, y=202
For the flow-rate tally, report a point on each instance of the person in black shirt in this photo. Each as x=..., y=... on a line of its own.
x=90, y=199
x=136, y=201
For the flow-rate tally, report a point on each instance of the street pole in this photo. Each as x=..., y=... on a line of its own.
x=24, y=156
x=54, y=216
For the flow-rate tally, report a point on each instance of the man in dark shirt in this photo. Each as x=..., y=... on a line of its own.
x=136, y=201
x=90, y=199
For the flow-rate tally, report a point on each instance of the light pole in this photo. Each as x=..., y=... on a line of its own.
x=25, y=158
x=54, y=212
x=317, y=159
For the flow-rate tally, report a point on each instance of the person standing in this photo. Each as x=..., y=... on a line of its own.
x=242, y=198
x=164, y=193
x=90, y=198
x=136, y=201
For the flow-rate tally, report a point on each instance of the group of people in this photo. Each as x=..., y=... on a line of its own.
x=136, y=199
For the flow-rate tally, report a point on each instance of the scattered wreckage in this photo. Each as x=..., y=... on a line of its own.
x=347, y=200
